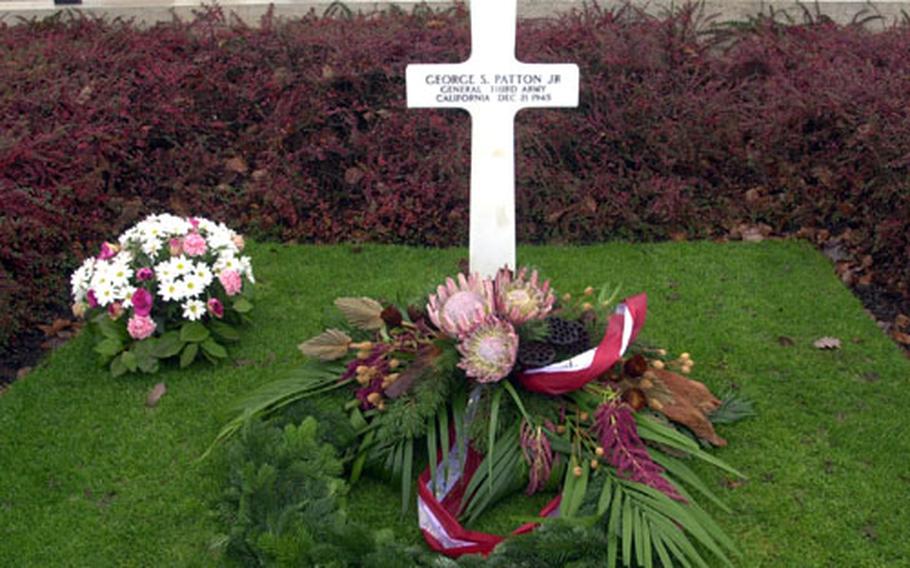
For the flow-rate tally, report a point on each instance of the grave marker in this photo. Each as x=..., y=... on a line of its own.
x=492, y=86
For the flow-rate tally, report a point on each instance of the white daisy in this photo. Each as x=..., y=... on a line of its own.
x=181, y=265
x=203, y=273
x=192, y=286
x=193, y=310
x=104, y=294
x=171, y=290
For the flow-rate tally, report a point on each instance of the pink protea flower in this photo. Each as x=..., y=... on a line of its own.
x=194, y=245
x=535, y=447
x=231, y=281
x=519, y=299
x=457, y=308
x=108, y=251
x=142, y=302
x=488, y=352
x=140, y=327
x=176, y=247
x=215, y=307
x=145, y=273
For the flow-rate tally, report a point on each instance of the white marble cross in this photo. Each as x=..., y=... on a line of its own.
x=493, y=86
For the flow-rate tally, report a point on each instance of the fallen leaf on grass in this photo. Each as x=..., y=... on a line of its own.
x=901, y=337
x=155, y=395
x=827, y=343
x=21, y=373
x=785, y=341
x=902, y=321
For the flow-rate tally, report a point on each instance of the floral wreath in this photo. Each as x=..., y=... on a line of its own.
x=494, y=384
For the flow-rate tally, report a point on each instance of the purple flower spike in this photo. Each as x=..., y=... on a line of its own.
x=615, y=428
x=535, y=447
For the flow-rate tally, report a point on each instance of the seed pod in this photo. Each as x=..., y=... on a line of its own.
x=391, y=316
x=599, y=451
x=635, y=366
x=577, y=471
x=634, y=398
x=374, y=398
x=658, y=364
x=594, y=464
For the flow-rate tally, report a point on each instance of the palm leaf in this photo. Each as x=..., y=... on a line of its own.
x=309, y=380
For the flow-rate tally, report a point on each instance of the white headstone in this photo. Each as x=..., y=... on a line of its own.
x=493, y=86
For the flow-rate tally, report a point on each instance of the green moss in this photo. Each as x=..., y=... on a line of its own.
x=90, y=476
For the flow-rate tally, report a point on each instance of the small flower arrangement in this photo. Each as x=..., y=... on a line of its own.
x=500, y=383
x=170, y=286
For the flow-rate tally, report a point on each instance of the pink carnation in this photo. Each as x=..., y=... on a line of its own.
x=175, y=247
x=115, y=310
x=216, y=308
x=92, y=299
x=194, y=244
x=231, y=281
x=140, y=327
x=145, y=273
x=108, y=251
x=142, y=302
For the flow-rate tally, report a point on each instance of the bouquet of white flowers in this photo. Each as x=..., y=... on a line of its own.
x=169, y=286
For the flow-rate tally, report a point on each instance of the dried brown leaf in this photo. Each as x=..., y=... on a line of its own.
x=902, y=321
x=236, y=165
x=785, y=341
x=362, y=313
x=155, y=395
x=901, y=337
x=327, y=346
x=827, y=343
x=690, y=406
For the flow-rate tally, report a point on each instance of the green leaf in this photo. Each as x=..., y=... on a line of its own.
x=109, y=347
x=224, y=331
x=360, y=460
x=568, y=489
x=406, y=474
x=193, y=331
x=521, y=407
x=242, y=305
x=148, y=364
x=606, y=495
x=212, y=347
x=129, y=361
x=627, y=533
x=491, y=436
x=443, y=416
x=117, y=366
x=432, y=451
x=111, y=329
x=168, y=345
x=578, y=492
x=188, y=355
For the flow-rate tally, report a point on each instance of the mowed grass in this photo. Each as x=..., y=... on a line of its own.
x=89, y=476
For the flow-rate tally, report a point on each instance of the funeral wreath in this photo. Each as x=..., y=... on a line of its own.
x=494, y=385
x=168, y=287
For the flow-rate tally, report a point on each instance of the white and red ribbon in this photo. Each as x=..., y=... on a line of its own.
x=438, y=508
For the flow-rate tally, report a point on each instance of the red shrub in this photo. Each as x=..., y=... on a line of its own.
x=299, y=131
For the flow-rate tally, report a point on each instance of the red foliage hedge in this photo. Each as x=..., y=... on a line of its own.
x=299, y=131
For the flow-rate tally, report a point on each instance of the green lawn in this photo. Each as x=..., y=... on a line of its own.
x=91, y=477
